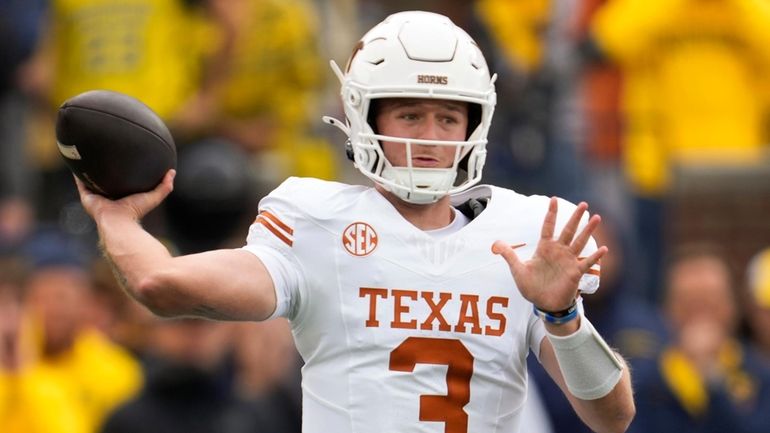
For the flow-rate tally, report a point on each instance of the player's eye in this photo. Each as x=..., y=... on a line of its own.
x=450, y=119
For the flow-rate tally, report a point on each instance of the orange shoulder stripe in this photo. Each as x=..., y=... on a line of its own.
x=268, y=225
x=277, y=222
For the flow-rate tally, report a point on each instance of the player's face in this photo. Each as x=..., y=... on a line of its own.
x=422, y=119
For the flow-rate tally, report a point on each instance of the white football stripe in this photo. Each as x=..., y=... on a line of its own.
x=70, y=152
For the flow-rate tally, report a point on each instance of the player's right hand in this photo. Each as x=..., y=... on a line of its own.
x=134, y=206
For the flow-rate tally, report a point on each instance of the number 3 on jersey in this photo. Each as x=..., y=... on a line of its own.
x=459, y=361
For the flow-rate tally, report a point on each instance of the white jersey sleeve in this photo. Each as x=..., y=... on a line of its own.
x=271, y=238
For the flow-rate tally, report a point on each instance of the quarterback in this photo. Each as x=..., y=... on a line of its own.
x=414, y=303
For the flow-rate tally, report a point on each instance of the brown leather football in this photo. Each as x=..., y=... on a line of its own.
x=114, y=143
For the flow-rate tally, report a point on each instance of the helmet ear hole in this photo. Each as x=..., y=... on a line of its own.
x=463, y=164
x=474, y=119
x=371, y=117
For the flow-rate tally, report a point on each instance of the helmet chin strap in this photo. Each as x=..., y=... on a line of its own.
x=406, y=183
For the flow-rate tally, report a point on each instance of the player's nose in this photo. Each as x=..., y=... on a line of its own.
x=430, y=129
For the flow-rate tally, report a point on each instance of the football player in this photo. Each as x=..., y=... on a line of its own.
x=414, y=303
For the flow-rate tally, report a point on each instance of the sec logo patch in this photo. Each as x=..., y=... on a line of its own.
x=359, y=239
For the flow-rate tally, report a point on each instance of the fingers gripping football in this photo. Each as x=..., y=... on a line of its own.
x=134, y=206
x=550, y=278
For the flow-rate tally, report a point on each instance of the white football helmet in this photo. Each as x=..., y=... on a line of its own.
x=416, y=55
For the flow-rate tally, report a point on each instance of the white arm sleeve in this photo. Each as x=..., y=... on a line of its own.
x=285, y=278
x=590, y=368
x=271, y=238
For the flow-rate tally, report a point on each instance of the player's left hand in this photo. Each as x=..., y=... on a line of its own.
x=550, y=278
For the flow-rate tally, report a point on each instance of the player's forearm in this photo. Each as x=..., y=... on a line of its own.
x=612, y=413
x=135, y=255
x=595, y=378
x=227, y=284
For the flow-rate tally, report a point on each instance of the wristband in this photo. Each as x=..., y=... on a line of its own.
x=558, y=317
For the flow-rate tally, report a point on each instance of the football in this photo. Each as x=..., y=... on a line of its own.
x=114, y=143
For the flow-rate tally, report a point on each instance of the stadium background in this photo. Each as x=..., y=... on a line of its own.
x=653, y=111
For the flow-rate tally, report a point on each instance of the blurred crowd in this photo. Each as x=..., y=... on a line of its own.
x=656, y=112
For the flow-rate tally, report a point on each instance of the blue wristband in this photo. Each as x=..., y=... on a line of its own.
x=559, y=317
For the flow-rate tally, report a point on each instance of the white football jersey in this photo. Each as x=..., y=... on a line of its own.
x=402, y=331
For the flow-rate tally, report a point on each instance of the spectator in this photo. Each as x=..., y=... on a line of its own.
x=74, y=358
x=115, y=314
x=705, y=380
x=538, y=69
x=189, y=384
x=29, y=402
x=758, y=315
x=135, y=48
x=213, y=197
x=268, y=375
x=675, y=115
x=19, y=30
x=758, y=305
x=599, y=112
x=262, y=91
